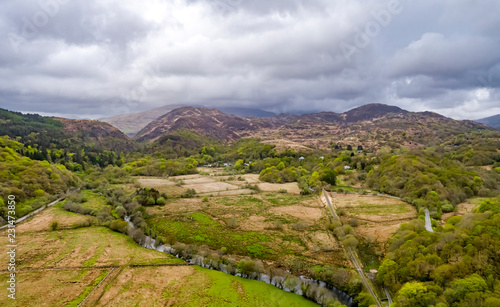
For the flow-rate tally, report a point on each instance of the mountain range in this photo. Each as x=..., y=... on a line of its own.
x=369, y=124
x=132, y=123
x=492, y=121
x=372, y=125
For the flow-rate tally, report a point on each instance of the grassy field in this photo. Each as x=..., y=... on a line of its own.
x=273, y=225
x=192, y=286
x=213, y=182
x=375, y=220
x=90, y=246
x=242, y=292
x=265, y=225
x=62, y=267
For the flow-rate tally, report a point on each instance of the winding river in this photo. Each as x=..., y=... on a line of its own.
x=341, y=296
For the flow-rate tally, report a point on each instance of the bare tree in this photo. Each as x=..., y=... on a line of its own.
x=292, y=282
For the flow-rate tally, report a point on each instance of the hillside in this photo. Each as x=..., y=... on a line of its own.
x=492, y=121
x=131, y=123
x=74, y=143
x=100, y=134
x=208, y=122
x=244, y=112
x=65, y=133
x=369, y=125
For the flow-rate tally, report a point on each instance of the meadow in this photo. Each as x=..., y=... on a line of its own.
x=63, y=267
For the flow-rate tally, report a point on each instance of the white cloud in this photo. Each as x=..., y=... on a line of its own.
x=118, y=56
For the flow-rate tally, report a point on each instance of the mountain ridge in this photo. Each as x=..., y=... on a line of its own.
x=364, y=122
x=132, y=123
x=492, y=121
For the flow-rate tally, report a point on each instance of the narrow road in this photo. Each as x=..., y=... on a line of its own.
x=332, y=211
x=367, y=285
x=389, y=298
x=35, y=212
x=428, y=225
x=41, y=208
x=352, y=256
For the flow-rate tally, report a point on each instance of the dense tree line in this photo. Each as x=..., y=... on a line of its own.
x=46, y=140
x=457, y=266
x=427, y=179
x=31, y=182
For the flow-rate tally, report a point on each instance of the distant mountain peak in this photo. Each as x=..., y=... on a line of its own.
x=132, y=123
x=362, y=120
x=209, y=122
x=371, y=111
x=492, y=121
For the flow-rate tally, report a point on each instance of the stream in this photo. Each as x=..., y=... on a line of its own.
x=341, y=296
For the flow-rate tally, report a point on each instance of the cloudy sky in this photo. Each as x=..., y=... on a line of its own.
x=89, y=58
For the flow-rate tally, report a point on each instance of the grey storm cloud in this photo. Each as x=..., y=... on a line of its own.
x=101, y=58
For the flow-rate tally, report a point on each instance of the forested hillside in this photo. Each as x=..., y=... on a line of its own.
x=74, y=143
x=457, y=266
x=32, y=182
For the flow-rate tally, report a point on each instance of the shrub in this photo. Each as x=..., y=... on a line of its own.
x=121, y=211
x=138, y=236
x=39, y=193
x=353, y=222
x=119, y=226
x=54, y=225
x=252, y=187
x=232, y=223
x=350, y=241
x=299, y=226
x=447, y=208
x=161, y=201
x=89, y=221
x=188, y=194
x=276, y=225
x=76, y=208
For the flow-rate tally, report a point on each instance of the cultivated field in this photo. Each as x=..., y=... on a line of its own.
x=272, y=226
x=270, y=223
x=62, y=267
x=267, y=223
x=213, y=182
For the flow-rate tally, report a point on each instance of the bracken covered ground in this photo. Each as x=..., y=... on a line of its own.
x=62, y=267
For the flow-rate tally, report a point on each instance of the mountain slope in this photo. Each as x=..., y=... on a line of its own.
x=133, y=122
x=100, y=134
x=492, y=121
x=45, y=133
x=208, y=122
x=244, y=112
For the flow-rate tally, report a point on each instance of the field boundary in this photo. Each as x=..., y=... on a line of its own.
x=81, y=303
x=100, y=267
